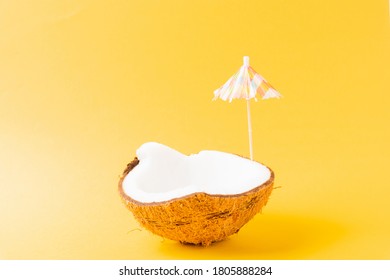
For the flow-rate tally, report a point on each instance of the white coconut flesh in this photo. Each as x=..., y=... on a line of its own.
x=164, y=174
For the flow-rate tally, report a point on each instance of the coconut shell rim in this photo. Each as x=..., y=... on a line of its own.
x=135, y=162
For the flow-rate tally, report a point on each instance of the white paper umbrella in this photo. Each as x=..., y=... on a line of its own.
x=246, y=84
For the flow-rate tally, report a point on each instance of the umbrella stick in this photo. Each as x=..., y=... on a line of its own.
x=248, y=110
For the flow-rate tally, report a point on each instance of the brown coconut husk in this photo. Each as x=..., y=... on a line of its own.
x=198, y=218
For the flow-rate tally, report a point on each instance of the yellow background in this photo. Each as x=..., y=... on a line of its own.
x=84, y=83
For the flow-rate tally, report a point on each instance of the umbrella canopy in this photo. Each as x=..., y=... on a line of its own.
x=246, y=84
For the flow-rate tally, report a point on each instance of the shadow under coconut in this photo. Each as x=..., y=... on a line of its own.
x=267, y=236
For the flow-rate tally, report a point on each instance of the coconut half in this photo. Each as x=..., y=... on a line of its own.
x=197, y=199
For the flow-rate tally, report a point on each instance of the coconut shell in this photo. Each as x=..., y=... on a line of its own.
x=198, y=218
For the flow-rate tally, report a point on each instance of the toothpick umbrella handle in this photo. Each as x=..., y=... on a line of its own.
x=246, y=64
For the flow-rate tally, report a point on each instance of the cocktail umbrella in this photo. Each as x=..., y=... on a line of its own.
x=246, y=84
